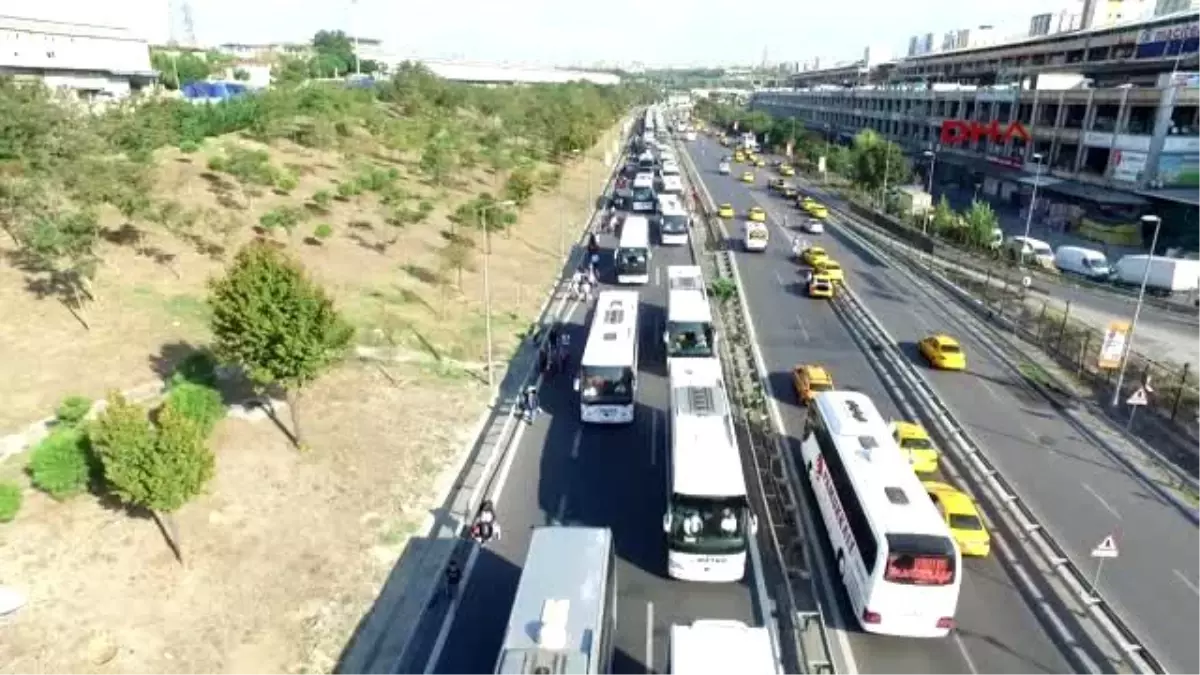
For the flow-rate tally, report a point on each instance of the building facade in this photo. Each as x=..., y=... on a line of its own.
x=1115, y=150
x=93, y=62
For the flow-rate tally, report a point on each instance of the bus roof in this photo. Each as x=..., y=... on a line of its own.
x=562, y=564
x=705, y=460
x=684, y=277
x=688, y=305
x=635, y=232
x=891, y=494
x=721, y=646
x=669, y=205
x=612, y=338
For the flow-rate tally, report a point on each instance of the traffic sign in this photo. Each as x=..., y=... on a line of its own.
x=1106, y=548
x=1138, y=397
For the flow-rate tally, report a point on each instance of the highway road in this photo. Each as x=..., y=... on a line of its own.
x=565, y=473
x=1080, y=493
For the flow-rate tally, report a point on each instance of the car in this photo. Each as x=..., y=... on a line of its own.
x=760, y=162
x=747, y=176
x=812, y=254
x=724, y=168
x=739, y=156
x=810, y=379
x=805, y=201
x=962, y=516
x=943, y=352
x=787, y=171
x=914, y=442
x=789, y=191
x=725, y=210
x=818, y=211
x=830, y=268
x=775, y=184
x=813, y=226
x=756, y=214
x=820, y=286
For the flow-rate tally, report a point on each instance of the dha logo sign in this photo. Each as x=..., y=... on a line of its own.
x=957, y=132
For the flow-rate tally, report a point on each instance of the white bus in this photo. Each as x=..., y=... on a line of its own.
x=564, y=615
x=632, y=257
x=672, y=219
x=642, y=198
x=901, y=568
x=690, y=332
x=722, y=646
x=757, y=236
x=607, y=379
x=708, y=523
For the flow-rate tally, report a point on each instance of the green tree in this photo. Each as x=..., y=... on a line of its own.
x=439, y=158
x=876, y=162
x=519, y=186
x=980, y=221
x=277, y=324
x=241, y=74
x=457, y=254
x=944, y=218
x=62, y=246
x=180, y=68
x=60, y=465
x=158, y=469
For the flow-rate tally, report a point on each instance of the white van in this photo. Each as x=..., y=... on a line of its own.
x=672, y=185
x=757, y=236
x=1034, y=250
x=1082, y=261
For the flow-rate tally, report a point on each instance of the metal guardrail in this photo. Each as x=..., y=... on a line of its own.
x=1020, y=520
x=791, y=546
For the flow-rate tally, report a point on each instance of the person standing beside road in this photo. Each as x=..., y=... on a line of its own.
x=453, y=577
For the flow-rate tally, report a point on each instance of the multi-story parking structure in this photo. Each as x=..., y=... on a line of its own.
x=1103, y=121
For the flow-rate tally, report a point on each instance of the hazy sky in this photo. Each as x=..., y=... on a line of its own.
x=663, y=32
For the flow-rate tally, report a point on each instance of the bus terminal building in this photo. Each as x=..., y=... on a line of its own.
x=1103, y=121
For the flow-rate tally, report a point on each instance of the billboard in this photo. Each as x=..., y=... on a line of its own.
x=957, y=132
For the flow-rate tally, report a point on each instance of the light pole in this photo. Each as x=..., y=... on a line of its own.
x=932, y=155
x=887, y=166
x=487, y=285
x=1037, y=179
x=1137, y=309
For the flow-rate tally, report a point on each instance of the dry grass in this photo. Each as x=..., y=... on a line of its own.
x=286, y=551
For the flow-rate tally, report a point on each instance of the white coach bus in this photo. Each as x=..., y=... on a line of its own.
x=722, y=646
x=672, y=221
x=690, y=332
x=607, y=381
x=632, y=257
x=901, y=568
x=709, y=523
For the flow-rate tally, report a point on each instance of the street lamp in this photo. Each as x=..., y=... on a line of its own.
x=932, y=156
x=487, y=285
x=1137, y=310
x=1037, y=179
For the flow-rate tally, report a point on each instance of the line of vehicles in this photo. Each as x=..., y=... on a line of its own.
x=564, y=615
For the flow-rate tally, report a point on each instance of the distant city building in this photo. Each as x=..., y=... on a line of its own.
x=92, y=61
x=1172, y=6
x=1098, y=13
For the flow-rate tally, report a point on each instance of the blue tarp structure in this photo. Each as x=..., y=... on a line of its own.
x=217, y=90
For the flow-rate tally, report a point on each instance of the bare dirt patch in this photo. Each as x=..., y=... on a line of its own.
x=286, y=551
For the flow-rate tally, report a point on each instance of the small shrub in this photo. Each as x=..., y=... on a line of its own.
x=198, y=403
x=200, y=367
x=322, y=198
x=323, y=231
x=519, y=187
x=376, y=179
x=425, y=207
x=217, y=163
x=188, y=147
x=10, y=501
x=72, y=410
x=348, y=189
x=284, y=217
x=723, y=289
x=61, y=464
x=286, y=182
x=549, y=179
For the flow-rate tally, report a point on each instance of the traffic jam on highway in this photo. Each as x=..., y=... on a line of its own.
x=658, y=558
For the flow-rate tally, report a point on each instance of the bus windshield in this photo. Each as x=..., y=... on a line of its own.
x=690, y=338
x=920, y=560
x=606, y=385
x=674, y=224
x=708, y=525
x=631, y=261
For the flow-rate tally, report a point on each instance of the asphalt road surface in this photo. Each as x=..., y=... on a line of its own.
x=1079, y=492
x=567, y=473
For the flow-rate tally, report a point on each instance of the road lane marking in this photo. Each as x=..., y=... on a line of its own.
x=803, y=330
x=779, y=279
x=962, y=647
x=435, y=654
x=560, y=514
x=1186, y=581
x=649, y=637
x=658, y=276
x=1100, y=499
x=654, y=437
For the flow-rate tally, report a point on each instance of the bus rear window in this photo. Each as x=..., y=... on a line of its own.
x=919, y=570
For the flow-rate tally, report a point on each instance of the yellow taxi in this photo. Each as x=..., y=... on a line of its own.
x=914, y=442
x=943, y=352
x=812, y=254
x=830, y=268
x=786, y=171
x=760, y=162
x=805, y=202
x=756, y=214
x=775, y=184
x=962, y=516
x=809, y=380
x=747, y=176
x=739, y=156
x=820, y=286
x=789, y=191
x=725, y=210
x=818, y=211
